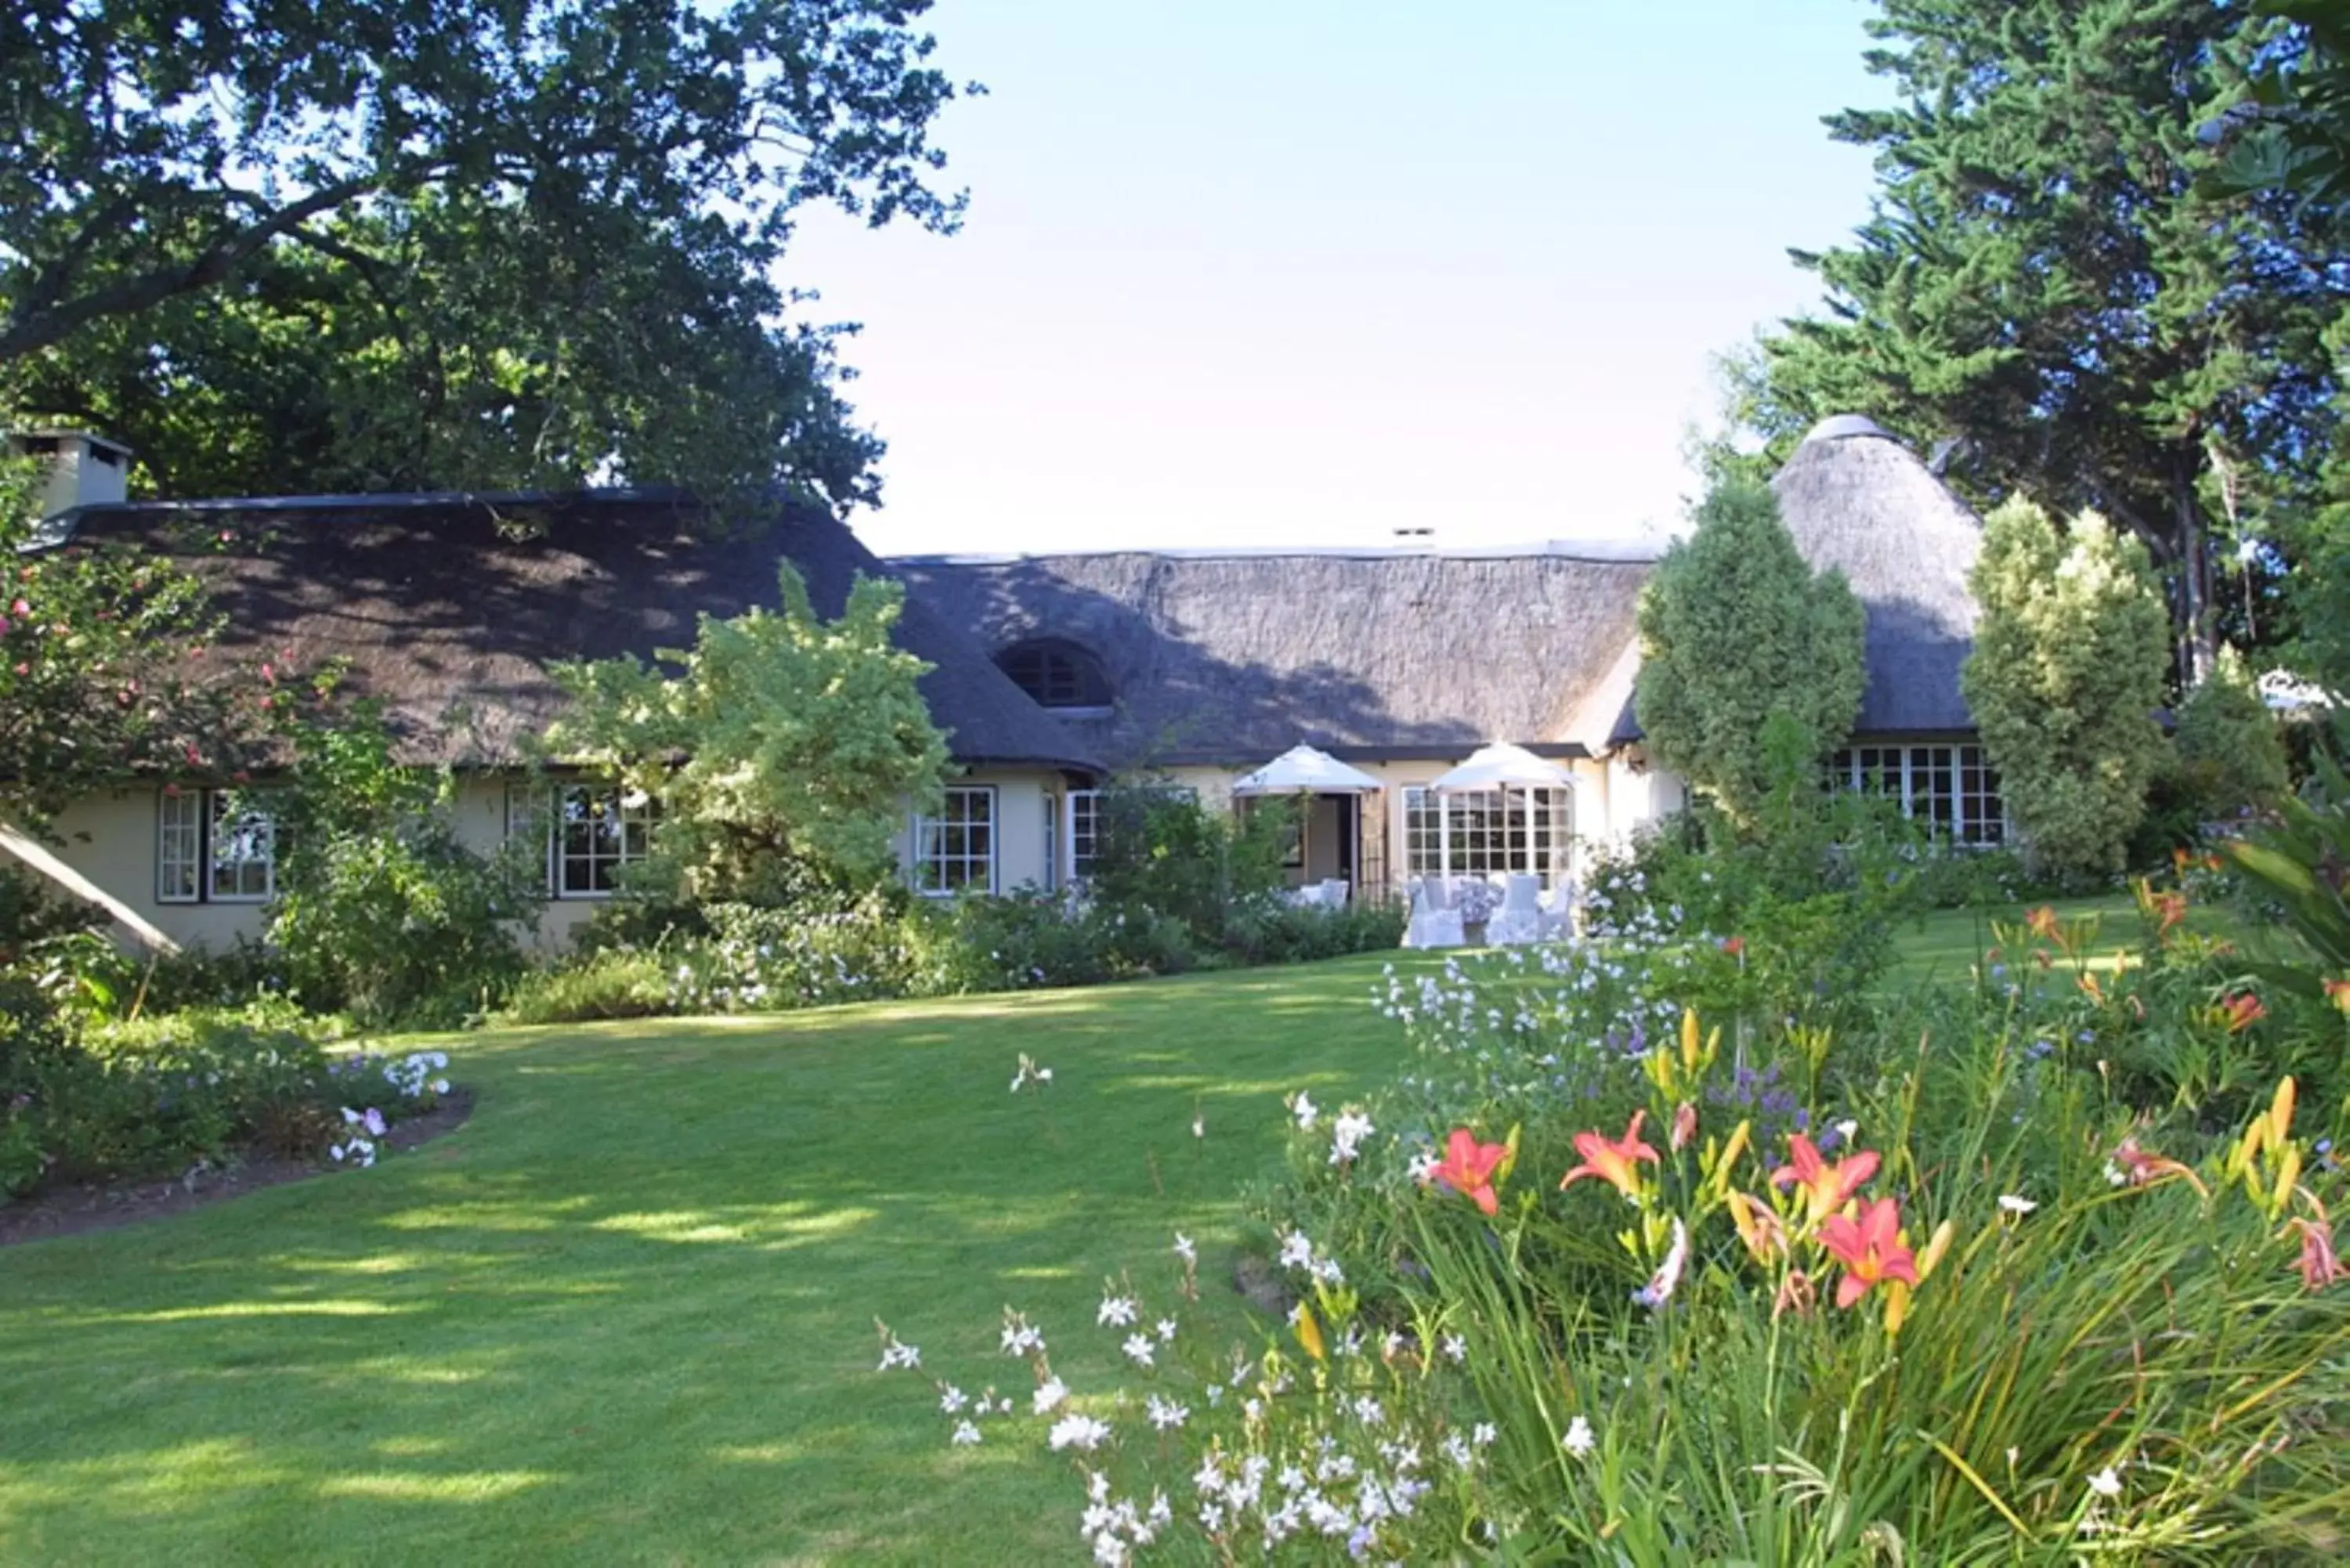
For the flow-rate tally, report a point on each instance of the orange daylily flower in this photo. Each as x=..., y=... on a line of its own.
x=2241, y=1011
x=1468, y=1169
x=2319, y=1267
x=1869, y=1249
x=1826, y=1188
x=1734, y=946
x=1795, y=1295
x=2337, y=992
x=1684, y=1126
x=1612, y=1162
x=2169, y=909
x=2144, y=1169
x=2041, y=922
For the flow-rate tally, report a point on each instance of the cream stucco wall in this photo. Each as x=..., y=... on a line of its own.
x=111, y=839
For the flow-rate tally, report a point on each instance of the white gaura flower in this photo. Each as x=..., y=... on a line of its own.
x=1347, y=1136
x=1081, y=1433
x=1301, y=1105
x=1165, y=1414
x=1184, y=1248
x=951, y=1400
x=1139, y=1350
x=2106, y=1482
x=965, y=1434
x=1049, y=1397
x=1117, y=1312
x=1579, y=1440
x=2011, y=1203
x=1297, y=1251
x=1166, y=1331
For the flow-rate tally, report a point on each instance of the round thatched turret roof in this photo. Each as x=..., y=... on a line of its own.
x=1860, y=501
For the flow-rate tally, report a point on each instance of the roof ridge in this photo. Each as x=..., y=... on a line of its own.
x=1630, y=551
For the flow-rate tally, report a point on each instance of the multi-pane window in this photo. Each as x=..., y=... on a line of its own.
x=954, y=851
x=215, y=847
x=1085, y=831
x=597, y=829
x=1951, y=789
x=180, y=846
x=244, y=848
x=1056, y=674
x=1052, y=841
x=1488, y=833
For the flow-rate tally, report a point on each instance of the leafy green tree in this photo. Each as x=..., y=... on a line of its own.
x=2065, y=682
x=779, y=743
x=2291, y=132
x=2227, y=742
x=546, y=228
x=1738, y=639
x=105, y=666
x=380, y=908
x=2047, y=293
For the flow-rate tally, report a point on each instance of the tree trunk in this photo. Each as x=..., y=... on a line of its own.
x=2197, y=653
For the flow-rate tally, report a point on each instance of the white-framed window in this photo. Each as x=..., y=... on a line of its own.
x=215, y=847
x=1052, y=841
x=179, y=846
x=1489, y=832
x=1085, y=831
x=954, y=851
x=244, y=848
x=597, y=830
x=1951, y=788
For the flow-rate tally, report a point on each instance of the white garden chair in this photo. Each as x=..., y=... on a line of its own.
x=1432, y=925
x=1519, y=920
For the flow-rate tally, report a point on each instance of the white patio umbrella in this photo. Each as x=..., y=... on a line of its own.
x=1302, y=769
x=1500, y=766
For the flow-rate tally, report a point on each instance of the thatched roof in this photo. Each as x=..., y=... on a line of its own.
x=451, y=617
x=1858, y=501
x=1230, y=657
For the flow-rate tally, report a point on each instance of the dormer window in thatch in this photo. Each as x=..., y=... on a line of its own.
x=1056, y=674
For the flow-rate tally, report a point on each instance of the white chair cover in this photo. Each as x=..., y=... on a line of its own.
x=1519, y=919
x=1558, y=913
x=1432, y=925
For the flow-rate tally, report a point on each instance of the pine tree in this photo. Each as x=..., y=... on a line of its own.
x=2044, y=292
x=1735, y=630
x=2065, y=682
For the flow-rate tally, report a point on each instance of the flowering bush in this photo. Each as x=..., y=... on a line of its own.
x=204, y=1086
x=2036, y=1269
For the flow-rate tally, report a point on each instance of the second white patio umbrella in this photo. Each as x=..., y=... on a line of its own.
x=1497, y=767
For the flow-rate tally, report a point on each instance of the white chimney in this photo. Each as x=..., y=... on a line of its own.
x=85, y=470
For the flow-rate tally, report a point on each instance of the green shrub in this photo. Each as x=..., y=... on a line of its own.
x=2229, y=746
x=609, y=982
x=380, y=908
x=2063, y=681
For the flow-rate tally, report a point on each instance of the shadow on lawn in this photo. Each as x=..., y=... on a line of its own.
x=625, y=1314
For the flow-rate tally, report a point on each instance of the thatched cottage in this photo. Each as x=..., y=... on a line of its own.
x=1051, y=671
x=1196, y=664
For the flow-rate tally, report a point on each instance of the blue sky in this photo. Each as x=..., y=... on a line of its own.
x=1276, y=272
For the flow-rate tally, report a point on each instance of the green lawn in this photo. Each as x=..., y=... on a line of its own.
x=624, y=1314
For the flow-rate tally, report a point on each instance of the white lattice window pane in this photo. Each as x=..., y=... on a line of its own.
x=179, y=846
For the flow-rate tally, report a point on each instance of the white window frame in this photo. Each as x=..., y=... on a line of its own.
x=1052, y=841
x=196, y=847
x=179, y=818
x=1914, y=774
x=923, y=860
x=639, y=812
x=1082, y=823
x=1493, y=833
